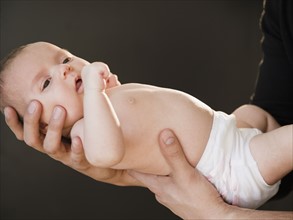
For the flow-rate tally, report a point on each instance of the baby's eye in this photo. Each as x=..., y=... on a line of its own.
x=66, y=60
x=46, y=83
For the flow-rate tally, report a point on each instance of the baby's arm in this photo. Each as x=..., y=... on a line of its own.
x=103, y=139
x=251, y=116
x=273, y=152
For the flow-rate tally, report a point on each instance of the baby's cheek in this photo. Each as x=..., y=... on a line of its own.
x=74, y=113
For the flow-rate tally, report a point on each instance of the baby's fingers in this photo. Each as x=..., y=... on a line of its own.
x=95, y=76
x=96, y=68
x=112, y=81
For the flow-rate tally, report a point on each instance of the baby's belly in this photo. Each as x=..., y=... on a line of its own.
x=144, y=111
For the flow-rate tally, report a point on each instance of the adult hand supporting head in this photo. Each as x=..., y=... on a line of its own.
x=50, y=144
x=185, y=191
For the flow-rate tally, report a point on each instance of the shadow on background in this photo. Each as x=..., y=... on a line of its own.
x=209, y=49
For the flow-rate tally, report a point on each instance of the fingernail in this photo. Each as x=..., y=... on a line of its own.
x=57, y=113
x=168, y=137
x=5, y=113
x=32, y=108
x=169, y=141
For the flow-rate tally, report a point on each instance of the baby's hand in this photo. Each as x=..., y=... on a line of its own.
x=95, y=76
x=112, y=81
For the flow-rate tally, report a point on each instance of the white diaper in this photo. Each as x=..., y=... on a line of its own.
x=228, y=164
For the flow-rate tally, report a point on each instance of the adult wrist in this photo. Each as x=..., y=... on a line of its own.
x=223, y=210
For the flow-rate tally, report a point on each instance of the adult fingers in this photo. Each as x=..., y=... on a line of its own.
x=77, y=159
x=13, y=122
x=153, y=182
x=175, y=157
x=173, y=153
x=31, y=131
x=53, y=140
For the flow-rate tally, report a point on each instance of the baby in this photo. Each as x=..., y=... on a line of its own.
x=119, y=124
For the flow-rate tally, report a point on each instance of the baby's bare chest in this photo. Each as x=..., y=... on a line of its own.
x=140, y=112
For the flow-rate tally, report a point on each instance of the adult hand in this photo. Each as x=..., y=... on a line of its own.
x=50, y=144
x=188, y=194
x=185, y=191
x=71, y=155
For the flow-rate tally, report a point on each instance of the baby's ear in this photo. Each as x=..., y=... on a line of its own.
x=43, y=128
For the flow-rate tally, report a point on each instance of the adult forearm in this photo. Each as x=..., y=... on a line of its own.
x=234, y=212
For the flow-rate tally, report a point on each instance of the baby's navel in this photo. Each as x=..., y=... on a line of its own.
x=131, y=100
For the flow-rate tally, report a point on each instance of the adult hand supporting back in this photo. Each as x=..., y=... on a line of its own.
x=185, y=191
x=188, y=194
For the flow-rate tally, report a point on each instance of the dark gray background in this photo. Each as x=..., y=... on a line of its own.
x=210, y=49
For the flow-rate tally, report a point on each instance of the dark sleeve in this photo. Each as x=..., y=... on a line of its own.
x=274, y=86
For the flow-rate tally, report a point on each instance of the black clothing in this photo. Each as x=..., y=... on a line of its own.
x=274, y=87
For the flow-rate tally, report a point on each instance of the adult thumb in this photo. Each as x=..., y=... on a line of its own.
x=173, y=152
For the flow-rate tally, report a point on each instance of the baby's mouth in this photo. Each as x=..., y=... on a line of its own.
x=78, y=85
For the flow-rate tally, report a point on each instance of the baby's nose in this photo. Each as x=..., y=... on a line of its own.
x=65, y=69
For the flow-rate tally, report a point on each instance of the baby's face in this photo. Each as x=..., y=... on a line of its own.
x=51, y=75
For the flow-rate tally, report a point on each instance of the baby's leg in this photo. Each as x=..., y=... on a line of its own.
x=252, y=116
x=273, y=152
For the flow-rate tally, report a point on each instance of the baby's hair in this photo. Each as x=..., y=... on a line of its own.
x=4, y=63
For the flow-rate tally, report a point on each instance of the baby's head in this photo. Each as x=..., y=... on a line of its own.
x=44, y=72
